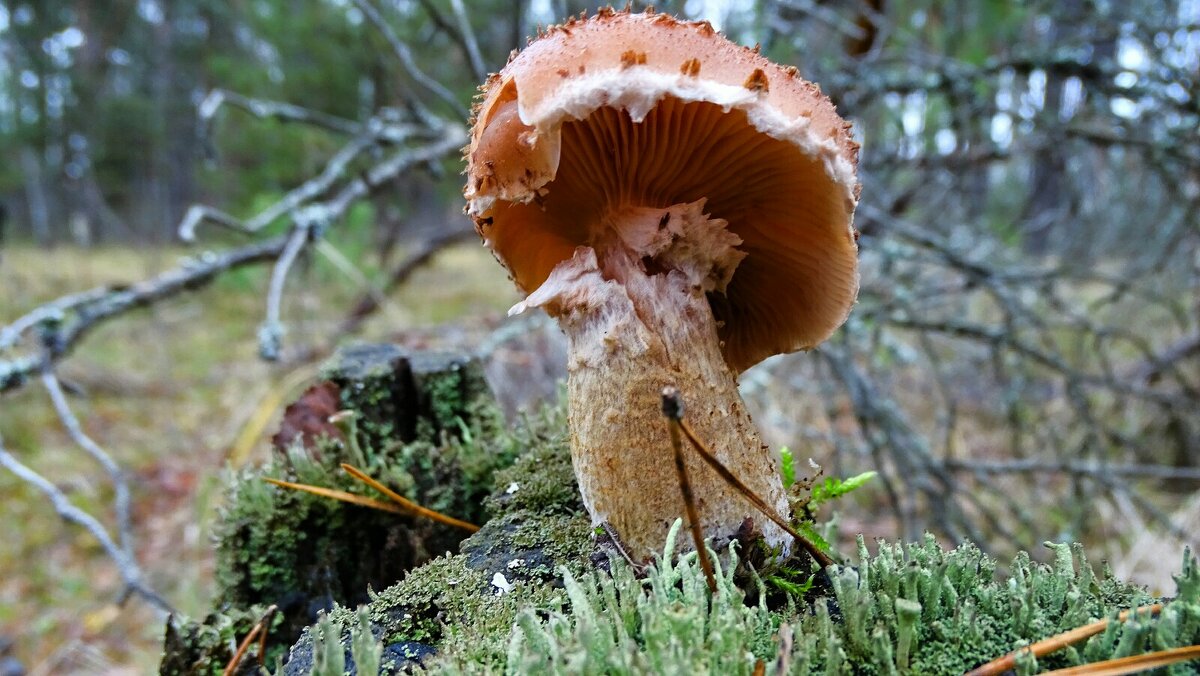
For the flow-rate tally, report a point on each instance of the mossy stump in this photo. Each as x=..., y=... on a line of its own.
x=421, y=423
x=461, y=607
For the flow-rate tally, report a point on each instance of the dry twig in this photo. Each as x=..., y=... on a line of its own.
x=131, y=573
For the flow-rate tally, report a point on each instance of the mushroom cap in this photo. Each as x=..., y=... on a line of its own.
x=625, y=109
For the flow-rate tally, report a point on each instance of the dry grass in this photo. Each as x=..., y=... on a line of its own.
x=167, y=390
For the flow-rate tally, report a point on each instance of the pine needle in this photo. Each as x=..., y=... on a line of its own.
x=1047, y=646
x=672, y=410
x=1132, y=665
x=260, y=628
x=343, y=496
x=761, y=505
x=407, y=504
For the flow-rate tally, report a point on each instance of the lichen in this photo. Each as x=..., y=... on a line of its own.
x=666, y=623
x=908, y=609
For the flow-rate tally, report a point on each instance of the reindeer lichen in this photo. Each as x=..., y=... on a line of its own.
x=914, y=609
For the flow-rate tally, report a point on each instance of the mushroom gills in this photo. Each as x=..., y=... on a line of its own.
x=633, y=304
x=799, y=277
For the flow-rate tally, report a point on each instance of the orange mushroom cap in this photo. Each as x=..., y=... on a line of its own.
x=643, y=110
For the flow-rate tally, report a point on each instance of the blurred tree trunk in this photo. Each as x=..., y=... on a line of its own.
x=35, y=197
x=39, y=170
x=866, y=22
x=1048, y=208
x=90, y=80
x=518, y=23
x=172, y=177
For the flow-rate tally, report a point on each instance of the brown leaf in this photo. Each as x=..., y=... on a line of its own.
x=308, y=417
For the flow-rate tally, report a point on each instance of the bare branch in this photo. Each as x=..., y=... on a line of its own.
x=470, y=45
x=450, y=141
x=127, y=566
x=121, y=501
x=62, y=335
x=404, y=54
x=277, y=110
x=270, y=334
x=1152, y=369
x=199, y=213
x=335, y=169
x=1034, y=466
x=461, y=32
x=51, y=312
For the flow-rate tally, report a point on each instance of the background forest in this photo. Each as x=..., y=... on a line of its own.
x=1023, y=364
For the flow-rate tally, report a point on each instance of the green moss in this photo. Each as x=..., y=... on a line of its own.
x=466, y=604
x=541, y=479
x=405, y=396
x=305, y=552
x=425, y=427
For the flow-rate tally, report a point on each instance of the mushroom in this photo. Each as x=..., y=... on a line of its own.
x=683, y=206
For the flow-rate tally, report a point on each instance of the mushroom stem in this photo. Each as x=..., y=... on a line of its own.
x=635, y=310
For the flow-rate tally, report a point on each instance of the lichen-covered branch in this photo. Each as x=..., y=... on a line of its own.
x=278, y=110
x=59, y=333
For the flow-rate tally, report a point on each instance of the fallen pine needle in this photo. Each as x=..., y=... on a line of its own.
x=407, y=504
x=761, y=505
x=1132, y=665
x=351, y=498
x=1047, y=646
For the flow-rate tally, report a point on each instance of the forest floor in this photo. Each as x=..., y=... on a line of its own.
x=167, y=392
x=170, y=391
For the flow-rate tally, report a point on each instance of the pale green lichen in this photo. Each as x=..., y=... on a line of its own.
x=365, y=649
x=328, y=656
x=909, y=609
x=666, y=623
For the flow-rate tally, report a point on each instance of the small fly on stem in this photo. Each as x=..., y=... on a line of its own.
x=673, y=409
